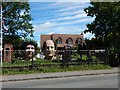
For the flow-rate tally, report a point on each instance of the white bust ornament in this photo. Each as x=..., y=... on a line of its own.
x=30, y=51
x=49, y=50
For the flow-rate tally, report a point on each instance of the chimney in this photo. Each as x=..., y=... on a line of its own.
x=51, y=36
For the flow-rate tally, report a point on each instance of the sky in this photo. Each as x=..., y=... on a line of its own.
x=59, y=18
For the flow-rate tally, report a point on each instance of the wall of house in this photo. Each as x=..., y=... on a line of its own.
x=64, y=38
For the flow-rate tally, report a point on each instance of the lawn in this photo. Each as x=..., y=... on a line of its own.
x=27, y=63
x=46, y=69
x=45, y=66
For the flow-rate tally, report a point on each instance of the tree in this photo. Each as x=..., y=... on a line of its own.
x=16, y=19
x=27, y=41
x=15, y=40
x=106, y=24
x=89, y=44
x=96, y=43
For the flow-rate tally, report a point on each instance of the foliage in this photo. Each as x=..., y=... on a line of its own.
x=16, y=18
x=77, y=56
x=90, y=44
x=107, y=22
x=28, y=41
x=15, y=40
x=96, y=43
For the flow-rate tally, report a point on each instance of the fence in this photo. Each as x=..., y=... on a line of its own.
x=63, y=58
x=86, y=57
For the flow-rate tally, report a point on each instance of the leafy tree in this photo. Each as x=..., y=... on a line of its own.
x=89, y=44
x=106, y=25
x=96, y=43
x=14, y=40
x=107, y=22
x=27, y=41
x=17, y=19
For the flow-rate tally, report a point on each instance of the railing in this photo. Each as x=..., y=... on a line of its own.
x=72, y=57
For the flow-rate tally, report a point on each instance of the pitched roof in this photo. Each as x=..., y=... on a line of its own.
x=64, y=37
x=44, y=38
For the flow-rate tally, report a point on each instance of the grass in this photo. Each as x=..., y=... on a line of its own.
x=27, y=63
x=53, y=68
x=46, y=69
x=40, y=61
x=74, y=68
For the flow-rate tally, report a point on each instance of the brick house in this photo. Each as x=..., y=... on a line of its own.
x=61, y=40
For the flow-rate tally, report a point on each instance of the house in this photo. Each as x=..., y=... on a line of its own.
x=61, y=40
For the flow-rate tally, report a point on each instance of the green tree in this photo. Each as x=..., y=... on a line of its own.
x=96, y=43
x=106, y=25
x=89, y=44
x=16, y=17
x=107, y=22
x=15, y=40
x=28, y=41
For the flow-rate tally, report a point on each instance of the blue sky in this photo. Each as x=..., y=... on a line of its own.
x=59, y=18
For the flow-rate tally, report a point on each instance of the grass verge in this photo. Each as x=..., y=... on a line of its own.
x=46, y=69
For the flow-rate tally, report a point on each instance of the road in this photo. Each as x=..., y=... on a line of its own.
x=94, y=81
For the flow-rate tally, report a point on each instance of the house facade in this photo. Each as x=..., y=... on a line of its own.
x=61, y=40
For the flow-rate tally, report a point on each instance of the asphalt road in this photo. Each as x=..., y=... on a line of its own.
x=95, y=81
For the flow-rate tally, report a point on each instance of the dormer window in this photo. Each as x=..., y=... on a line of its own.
x=79, y=41
x=69, y=41
x=59, y=41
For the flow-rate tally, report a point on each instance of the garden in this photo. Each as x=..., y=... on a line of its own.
x=21, y=66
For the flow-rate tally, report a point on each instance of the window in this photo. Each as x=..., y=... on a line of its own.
x=69, y=41
x=59, y=41
x=79, y=41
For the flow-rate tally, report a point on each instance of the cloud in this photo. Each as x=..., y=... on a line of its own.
x=64, y=30
x=59, y=4
x=64, y=6
x=47, y=24
x=79, y=21
x=68, y=30
x=63, y=14
x=51, y=33
x=60, y=25
x=71, y=13
x=60, y=18
x=89, y=35
x=77, y=16
x=72, y=8
x=42, y=27
x=22, y=13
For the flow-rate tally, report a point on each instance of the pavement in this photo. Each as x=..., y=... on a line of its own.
x=20, y=77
